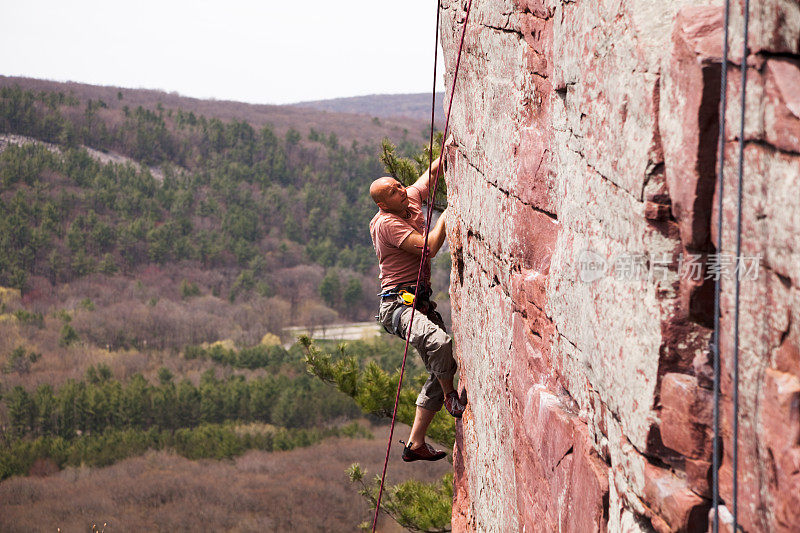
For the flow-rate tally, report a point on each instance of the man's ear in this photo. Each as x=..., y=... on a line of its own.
x=381, y=205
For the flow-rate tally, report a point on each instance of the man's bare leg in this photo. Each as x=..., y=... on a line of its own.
x=423, y=417
x=422, y=420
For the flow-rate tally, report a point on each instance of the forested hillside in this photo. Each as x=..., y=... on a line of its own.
x=150, y=258
x=283, y=212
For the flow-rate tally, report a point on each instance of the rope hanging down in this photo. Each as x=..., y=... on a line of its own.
x=723, y=98
x=717, y=290
x=737, y=278
x=431, y=200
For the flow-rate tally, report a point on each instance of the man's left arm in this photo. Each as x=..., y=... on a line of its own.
x=424, y=181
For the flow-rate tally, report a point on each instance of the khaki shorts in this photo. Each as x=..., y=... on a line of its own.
x=435, y=347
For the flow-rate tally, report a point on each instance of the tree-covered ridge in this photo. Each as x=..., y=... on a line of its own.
x=100, y=403
x=230, y=196
x=100, y=419
x=206, y=441
x=347, y=126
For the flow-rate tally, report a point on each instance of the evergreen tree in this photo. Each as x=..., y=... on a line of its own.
x=330, y=287
x=415, y=506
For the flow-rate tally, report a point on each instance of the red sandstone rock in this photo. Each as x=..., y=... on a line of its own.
x=787, y=357
x=563, y=118
x=461, y=509
x=780, y=411
x=723, y=517
x=774, y=27
x=544, y=416
x=787, y=505
x=656, y=211
x=589, y=495
x=782, y=115
x=686, y=416
x=679, y=507
x=689, y=119
x=773, y=104
x=698, y=476
x=571, y=485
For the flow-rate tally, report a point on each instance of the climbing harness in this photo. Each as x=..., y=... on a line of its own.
x=406, y=296
x=717, y=288
x=431, y=198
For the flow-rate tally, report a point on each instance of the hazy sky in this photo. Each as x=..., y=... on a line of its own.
x=261, y=52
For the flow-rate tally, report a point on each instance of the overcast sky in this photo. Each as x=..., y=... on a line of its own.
x=260, y=52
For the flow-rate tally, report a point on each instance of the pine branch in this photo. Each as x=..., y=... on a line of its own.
x=374, y=389
x=416, y=506
x=407, y=171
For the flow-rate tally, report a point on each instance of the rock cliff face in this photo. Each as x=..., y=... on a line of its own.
x=582, y=191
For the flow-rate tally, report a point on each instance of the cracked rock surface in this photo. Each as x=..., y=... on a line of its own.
x=582, y=224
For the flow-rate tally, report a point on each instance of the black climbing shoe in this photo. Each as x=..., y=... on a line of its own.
x=454, y=405
x=426, y=452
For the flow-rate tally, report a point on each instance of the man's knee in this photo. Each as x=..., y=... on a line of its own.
x=439, y=351
x=431, y=397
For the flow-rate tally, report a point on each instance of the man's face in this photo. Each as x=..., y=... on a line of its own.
x=395, y=198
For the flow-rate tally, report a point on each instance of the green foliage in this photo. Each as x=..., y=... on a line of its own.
x=352, y=293
x=165, y=376
x=98, y=374
x=237, y=184
x=101, y=403
x=67, y=335
x=107, y=265
x=20, y=361
x=417, y=506
x=101, y=420
x=189, y=289
x=329, y=288
x=207, y=441
x=259, y=356
x=29, y=317
x=414, y=505
x=407, y=170
x=373, y=388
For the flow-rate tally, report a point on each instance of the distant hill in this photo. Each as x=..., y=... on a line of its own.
x=357, y=124
x=415, y=106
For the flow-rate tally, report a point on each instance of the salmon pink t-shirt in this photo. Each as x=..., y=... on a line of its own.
x=388, y=231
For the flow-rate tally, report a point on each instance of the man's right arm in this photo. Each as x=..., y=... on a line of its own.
x=415, y=241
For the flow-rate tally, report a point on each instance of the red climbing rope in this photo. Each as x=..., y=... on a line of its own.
x=431, y=200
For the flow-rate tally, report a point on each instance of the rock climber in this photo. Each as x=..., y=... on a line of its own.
x=397, y=234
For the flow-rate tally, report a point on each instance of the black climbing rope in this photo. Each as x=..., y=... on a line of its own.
x=737, y=278
x=723, y=97
x=737, y=274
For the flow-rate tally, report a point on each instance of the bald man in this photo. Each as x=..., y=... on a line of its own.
x=397, y=232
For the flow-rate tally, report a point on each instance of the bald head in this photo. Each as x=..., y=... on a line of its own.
x=390, y=195
x=380, y=188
